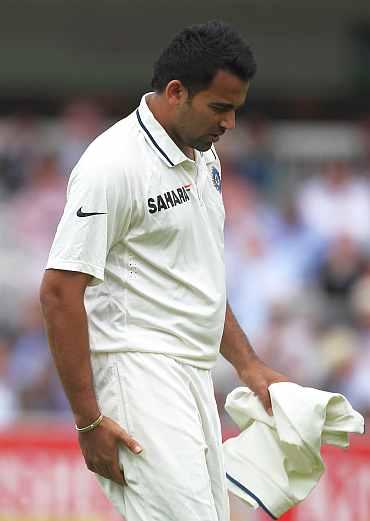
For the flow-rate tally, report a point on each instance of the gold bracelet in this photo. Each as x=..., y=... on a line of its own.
x=92, y=425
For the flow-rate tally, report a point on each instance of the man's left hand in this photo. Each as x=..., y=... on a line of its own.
x=257, y=376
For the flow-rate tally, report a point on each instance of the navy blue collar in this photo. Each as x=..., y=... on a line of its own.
x=166, y=148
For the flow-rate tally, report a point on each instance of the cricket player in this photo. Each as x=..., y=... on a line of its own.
x=134, y=293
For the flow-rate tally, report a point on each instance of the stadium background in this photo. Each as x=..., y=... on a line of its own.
x=296, y=185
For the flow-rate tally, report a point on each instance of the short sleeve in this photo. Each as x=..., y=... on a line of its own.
x=97, y=215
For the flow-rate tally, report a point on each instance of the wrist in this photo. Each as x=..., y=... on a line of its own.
x=90, y=427
x=86, y=418
x=248, y=366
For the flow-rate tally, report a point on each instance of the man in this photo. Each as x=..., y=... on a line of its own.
x=134, y=292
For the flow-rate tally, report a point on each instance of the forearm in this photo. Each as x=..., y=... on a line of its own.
x=235, y=346
x=66, y=324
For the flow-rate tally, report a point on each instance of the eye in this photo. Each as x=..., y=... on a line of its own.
x=218, y=110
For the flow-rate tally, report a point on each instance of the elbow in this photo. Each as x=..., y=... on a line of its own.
x=51, y=296
x=62, y=291
x=48, y=298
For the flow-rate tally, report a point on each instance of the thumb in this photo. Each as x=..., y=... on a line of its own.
x=130, y=442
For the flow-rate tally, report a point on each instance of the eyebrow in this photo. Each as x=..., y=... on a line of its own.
x=226, y=106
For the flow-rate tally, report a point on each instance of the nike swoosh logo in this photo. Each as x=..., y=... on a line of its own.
x=80, y=213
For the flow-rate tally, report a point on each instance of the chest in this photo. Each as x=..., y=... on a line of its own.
x=182, y=203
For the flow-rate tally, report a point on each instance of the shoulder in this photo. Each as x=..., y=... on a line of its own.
x=111, y=155
x=114, y=146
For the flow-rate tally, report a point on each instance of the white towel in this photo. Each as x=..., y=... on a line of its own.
x=275, y=461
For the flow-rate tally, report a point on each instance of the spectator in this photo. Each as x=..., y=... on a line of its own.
x=255, y=163
x=30, y=367
x=290, y=339
x=342, y=266
x=297, y=250
x=356, y=385
x=9, y=405
x=20, y=140
x=35, y=211
x=339, y=348
x=81, y=121
x=336, y=203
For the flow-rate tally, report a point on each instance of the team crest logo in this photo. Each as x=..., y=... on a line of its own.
x=216, y=178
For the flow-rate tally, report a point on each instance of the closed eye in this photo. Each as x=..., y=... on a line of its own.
x=219, y=109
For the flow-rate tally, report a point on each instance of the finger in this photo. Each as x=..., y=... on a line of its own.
x=116, y=471
x=118, y=475
x=90, y=466
x=111, y=472
x=130, y=442
x=266, y=402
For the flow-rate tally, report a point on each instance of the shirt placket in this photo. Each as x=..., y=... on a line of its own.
x=200, y=178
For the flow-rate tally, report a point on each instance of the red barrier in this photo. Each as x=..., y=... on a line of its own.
x=43, y=478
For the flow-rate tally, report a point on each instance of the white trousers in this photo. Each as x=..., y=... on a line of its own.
x=169, y=408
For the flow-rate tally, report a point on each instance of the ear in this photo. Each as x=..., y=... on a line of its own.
x=176, y=93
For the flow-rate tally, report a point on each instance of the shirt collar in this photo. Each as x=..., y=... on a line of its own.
x=210, y=156
x=165, y=147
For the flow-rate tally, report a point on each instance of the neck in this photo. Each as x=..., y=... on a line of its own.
x=162, y=114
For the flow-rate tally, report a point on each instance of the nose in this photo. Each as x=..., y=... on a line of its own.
x=228, y=121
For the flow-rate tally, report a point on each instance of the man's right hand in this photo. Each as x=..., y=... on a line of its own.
x=100, y=449
x=62, y=298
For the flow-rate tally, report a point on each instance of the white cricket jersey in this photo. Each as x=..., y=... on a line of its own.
x=147, y=223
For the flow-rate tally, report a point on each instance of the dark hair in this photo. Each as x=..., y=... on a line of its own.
x=196, y=54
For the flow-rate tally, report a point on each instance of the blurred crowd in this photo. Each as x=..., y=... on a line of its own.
x=297, y=235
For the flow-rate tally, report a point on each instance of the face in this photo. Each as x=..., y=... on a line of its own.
x=201, y=120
